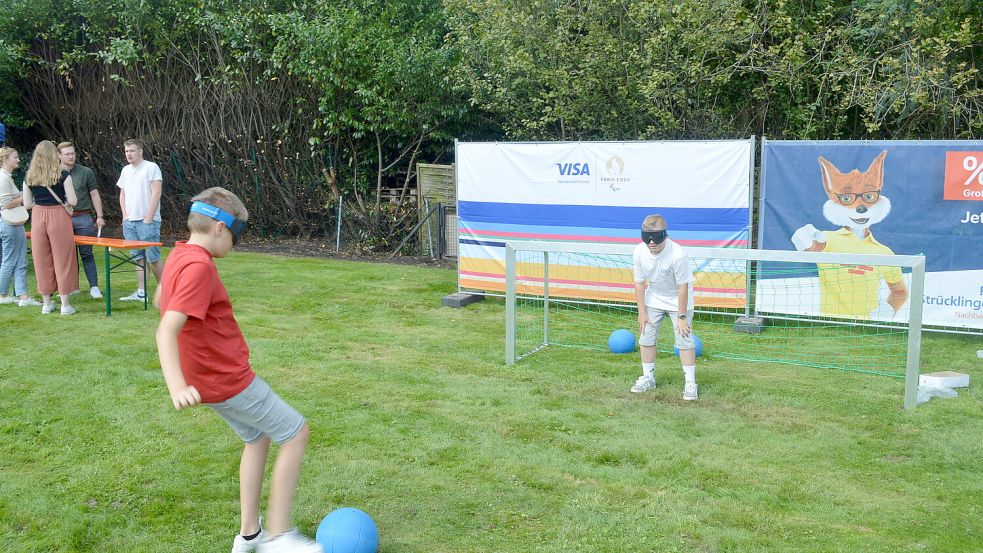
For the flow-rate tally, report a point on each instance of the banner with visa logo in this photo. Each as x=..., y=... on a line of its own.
x=598, y=192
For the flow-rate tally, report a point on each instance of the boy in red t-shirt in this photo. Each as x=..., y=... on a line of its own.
x=204, y=358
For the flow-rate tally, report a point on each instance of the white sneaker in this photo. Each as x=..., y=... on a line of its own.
x=643, y=384
x=689, y=391
x=28, y=302
x=291, y=541
x=240, y=545
x=95, y=293
x=135, y=296
x=8, y=299
x=68, y=310
x=47, y=308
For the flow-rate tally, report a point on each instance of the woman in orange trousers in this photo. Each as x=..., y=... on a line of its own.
x=47, y=191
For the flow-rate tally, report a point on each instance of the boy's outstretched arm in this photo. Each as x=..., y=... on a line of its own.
x=182, y=395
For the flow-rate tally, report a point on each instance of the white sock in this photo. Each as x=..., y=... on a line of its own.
x=690, y=372
x=140, y=292
x=648, y=369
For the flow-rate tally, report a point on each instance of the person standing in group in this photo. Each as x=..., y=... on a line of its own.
x=205, y=359
x=89, y=204
x=140, y=187
x=14, y=260
x=665, y=267
x=50, y=192
x=3, y=143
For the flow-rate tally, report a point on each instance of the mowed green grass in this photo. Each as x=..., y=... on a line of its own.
x=416, y=420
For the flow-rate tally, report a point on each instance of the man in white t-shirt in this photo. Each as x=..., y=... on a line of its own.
x=140, y=186
x=663, y=286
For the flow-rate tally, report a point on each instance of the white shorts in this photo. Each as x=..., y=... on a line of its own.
x=650, y=334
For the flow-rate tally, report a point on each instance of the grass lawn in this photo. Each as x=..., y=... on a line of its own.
x=416, y=420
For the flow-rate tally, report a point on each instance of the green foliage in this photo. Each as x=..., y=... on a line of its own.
x=379, y=72
x=693, y=69
x=345, y=97
x=358, y=92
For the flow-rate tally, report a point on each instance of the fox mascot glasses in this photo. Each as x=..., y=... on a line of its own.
x=234, y=225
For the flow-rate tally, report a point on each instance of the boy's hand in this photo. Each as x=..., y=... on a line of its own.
x=643, y=319
x=683, y=326
x=187, y=397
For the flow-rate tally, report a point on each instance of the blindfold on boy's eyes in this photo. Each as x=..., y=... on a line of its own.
x=234, y=225
x=657, y=236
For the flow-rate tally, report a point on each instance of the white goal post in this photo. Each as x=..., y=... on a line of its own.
x=528, y=266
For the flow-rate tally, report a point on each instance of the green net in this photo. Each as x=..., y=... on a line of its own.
x=832, y=316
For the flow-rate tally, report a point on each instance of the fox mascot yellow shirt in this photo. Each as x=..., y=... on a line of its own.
x=855, y=203
x=853, y=289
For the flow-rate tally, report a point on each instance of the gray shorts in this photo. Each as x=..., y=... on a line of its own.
x=650, y=336
x=256, y=411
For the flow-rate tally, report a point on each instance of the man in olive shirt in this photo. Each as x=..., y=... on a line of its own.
x=89, y=204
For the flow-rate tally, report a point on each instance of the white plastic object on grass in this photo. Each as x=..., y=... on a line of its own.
x=926, y=393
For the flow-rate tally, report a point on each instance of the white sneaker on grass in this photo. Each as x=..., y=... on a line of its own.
x=643, y=384
x=241, y=545
x=28, y=302
x=94, y=293
x=135, y=296
x=689, y=391
x=291, y=541
x=8, y=299
x=47, y=308
x=68, y=310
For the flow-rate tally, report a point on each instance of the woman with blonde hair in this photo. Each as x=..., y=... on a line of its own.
x=14, y=260
x=48, y=189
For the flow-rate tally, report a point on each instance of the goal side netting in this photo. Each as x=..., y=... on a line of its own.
x=849, y=312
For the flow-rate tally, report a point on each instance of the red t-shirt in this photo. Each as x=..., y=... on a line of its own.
x=214, y=355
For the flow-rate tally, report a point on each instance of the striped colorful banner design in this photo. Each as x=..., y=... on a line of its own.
x=484, y=227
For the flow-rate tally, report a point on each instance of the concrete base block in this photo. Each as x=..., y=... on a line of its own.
x=944, y=379
x=460, y=299
x=749, y=325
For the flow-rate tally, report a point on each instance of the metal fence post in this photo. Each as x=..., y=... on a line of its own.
x=337, y=239
x=440, y=230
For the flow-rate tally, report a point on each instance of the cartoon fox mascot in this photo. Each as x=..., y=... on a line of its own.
x=855, y=203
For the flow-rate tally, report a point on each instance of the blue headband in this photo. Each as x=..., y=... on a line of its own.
x=234, y=225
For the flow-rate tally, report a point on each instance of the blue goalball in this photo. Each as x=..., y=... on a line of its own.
x=348, y=530
x=621, y=341
x=699, y=347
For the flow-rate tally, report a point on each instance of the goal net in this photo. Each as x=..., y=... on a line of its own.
x=850, y=312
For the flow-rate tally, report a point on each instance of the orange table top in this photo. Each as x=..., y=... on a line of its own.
x=117, y=243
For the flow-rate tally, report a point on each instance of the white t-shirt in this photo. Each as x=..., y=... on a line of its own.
x=135, y=182
x=664, y=273
x=8, y=190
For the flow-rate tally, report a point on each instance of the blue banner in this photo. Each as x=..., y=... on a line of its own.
x=883, y=197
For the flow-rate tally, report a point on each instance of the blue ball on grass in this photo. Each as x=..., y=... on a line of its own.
x=699, y=346
x=621, y=341
x=348, y=530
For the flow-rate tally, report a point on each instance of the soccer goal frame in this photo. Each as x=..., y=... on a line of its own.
x=541, y=250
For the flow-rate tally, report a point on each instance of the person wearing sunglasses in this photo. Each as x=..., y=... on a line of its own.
x=663, y=287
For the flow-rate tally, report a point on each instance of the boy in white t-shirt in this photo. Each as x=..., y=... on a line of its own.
x=140, y=187
x=663, y=286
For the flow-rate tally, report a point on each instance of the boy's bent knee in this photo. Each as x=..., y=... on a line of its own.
x=300, y=437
